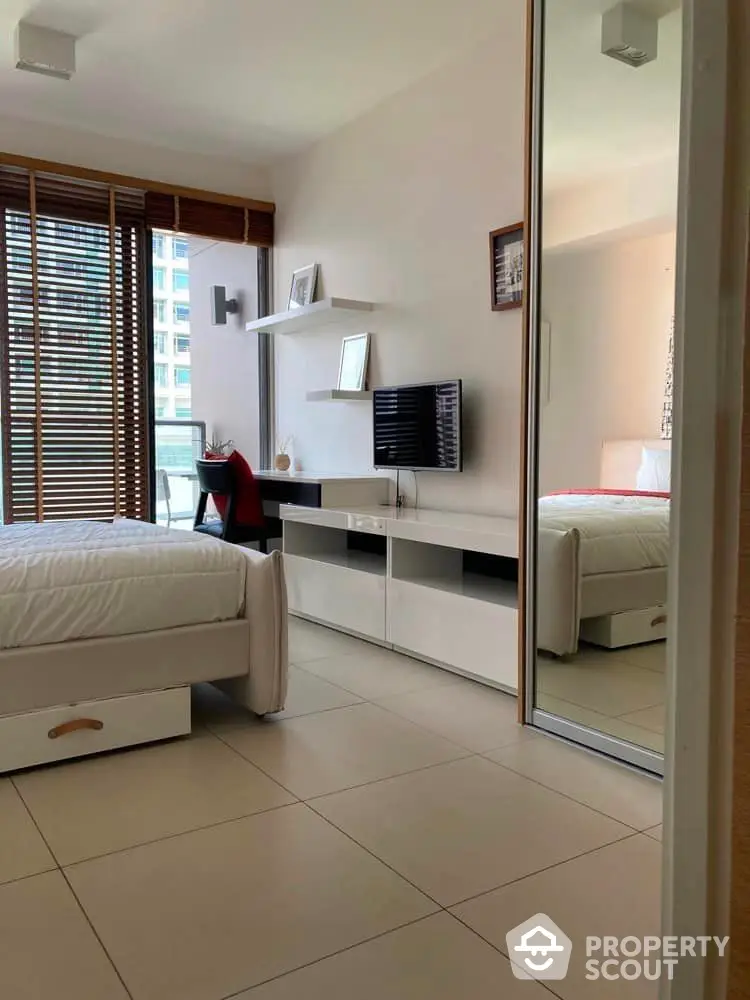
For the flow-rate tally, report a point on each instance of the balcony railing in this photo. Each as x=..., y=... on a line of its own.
x=178, y=444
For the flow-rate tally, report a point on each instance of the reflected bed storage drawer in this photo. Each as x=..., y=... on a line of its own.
x=67, y=731
x=626, y=628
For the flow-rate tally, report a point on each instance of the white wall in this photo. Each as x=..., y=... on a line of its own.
x=224, y=359
x=635, y=202
x=610, y=310
x=156, y=163
x=397, y=208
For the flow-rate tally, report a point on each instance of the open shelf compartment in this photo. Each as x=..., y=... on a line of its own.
x=479, y=576
x=355, y=550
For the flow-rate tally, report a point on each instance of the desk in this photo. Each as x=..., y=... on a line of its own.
x=310, y=489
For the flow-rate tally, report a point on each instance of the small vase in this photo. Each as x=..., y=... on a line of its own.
x=282, y=462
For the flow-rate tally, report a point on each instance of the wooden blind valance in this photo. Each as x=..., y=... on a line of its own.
x=213, y=220
x=73, y=348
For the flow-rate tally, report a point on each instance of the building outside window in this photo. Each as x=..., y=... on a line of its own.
x=161, y=375
x=171, y=283
x=181, y=312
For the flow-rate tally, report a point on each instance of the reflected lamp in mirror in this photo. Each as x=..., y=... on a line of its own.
x=355, y=356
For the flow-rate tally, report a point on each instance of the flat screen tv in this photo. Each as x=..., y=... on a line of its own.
x=418, y=427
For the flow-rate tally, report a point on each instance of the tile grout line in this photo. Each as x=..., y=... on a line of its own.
x=94, y=931
x=465, y=755
x=179, y=833
x=60, y=869
x=541, y=871
x=333, y=954
x=570, y=798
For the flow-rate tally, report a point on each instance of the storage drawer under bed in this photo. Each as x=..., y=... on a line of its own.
x=53, y=734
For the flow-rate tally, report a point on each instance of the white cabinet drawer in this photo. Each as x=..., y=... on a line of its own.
x=475, y=636
x=349, y=598
x=89, y=727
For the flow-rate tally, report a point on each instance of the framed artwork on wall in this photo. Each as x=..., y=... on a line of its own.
x=506, y=267
x=355, y=354
x=302, y=292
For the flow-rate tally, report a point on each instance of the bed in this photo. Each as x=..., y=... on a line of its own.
x=603, y=556
x=104, y=627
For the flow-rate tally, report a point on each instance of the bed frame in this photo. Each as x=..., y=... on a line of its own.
x=71, y=699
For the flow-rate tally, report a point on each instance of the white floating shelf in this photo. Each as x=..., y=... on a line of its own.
x=310, y=317
x=337, y=396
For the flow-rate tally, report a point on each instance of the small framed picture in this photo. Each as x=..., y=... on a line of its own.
x=302, y=292
x=506, y=267
x=355, y=355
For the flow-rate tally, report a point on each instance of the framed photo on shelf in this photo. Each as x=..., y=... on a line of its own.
x=506, y=267
x=355, y=355
x=302, y=292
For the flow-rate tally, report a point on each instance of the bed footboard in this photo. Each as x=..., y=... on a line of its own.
x=558, y=590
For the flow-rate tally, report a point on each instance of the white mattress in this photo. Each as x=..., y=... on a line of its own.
x=618, y=534
x=82, y=579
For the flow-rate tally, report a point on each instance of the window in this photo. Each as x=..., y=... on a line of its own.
x=179, y=248
x=181, y=312
x=160, y=376
x=160, y=343
x=160, y=242
x=182, y=343
x=180, y=281
x=160, y=279
x=181, y=375
x=183, y=413
x=160, y=311
x=84, y=381
x=161, y=411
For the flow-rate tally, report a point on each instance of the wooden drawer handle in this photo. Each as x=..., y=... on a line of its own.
x=659, y=620
x=73, y=726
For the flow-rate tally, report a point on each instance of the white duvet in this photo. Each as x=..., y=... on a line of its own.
x=68, y=580
x=618, y=534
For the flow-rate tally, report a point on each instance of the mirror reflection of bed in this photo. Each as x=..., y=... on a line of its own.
x=602, y=574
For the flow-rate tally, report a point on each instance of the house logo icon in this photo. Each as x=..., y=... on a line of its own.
x=538, y=949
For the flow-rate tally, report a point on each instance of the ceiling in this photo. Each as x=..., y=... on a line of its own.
x=602, y=116
x=255, y=80
x=248, y=79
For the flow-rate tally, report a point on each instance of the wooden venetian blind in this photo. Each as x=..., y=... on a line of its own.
x=210, y=219
x=73, y=348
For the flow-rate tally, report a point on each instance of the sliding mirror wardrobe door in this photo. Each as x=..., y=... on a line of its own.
x=601, y=289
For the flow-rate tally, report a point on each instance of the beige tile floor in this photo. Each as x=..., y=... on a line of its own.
x=375, y=840
x=620, y=692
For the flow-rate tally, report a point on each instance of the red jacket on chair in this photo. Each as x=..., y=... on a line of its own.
x=248, y=505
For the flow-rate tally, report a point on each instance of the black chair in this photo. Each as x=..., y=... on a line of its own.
x=219, y=478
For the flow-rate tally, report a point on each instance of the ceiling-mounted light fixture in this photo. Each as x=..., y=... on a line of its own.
x=630, y=35
x=42, y=50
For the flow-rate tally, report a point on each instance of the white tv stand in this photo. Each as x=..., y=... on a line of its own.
x=439, y=586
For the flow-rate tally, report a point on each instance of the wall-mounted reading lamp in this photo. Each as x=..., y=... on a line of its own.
x=221, y=305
